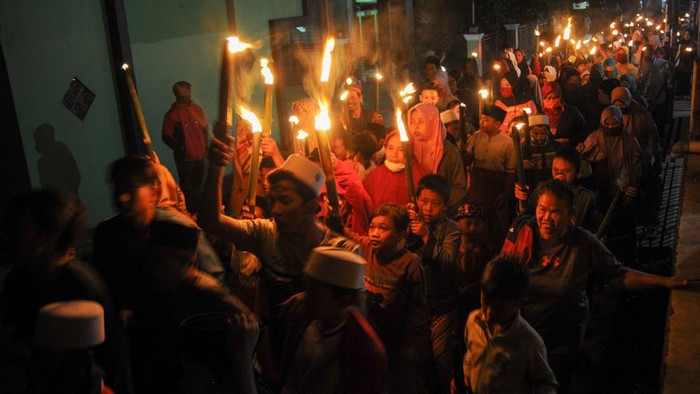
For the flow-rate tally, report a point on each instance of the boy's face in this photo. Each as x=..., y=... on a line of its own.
x=431, y=206
x=339, y=149
x=383, y=236
x=430, y=96
x=497, y=312
x=538, y=135
x=471, y=226
x=321, y=300
x=563, y=170
x=287, y=206
x=139, y=204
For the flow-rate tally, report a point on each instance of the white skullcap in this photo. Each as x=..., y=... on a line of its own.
x=337, y=267
x=449, y=116
x=305, y=171
x=70, y=325
x=539, y=120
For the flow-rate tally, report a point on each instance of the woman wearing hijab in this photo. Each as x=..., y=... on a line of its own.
x=609, y=68
x=433, y=152
x=566, y=123
x=513, y=101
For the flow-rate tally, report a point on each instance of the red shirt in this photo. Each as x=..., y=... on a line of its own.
x=185, y=131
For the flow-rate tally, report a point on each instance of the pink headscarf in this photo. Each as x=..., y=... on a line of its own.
x=429, y=152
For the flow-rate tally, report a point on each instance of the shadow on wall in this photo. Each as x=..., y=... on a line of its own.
x=57, y=167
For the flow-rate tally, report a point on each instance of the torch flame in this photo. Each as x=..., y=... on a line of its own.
x=548, y=50
x=235, y=44
x=593, y=50
x=378, y=76
x=612, y=25
x=266, y=72
x=125, y=66
x=294, y=119
x=323, y=120
x=302, y=135
x=475, y=55
x=556, y=42
x=326, y=68
x=519, y=126
x=578, y=45
x=251, y=118
x=537, y=33
x=348, y=81
x=484, y=93
x=567, y=30
x=527, y=110
x=403, y=136
x=344, y=95
x=688, y=49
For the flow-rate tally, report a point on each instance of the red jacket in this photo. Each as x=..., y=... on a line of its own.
x=185, y=131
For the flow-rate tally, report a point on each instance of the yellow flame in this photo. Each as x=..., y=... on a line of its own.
x=537, y=33
x=266, y=72
x=251, y=118
x=567, y=30
x=612, y=25
x=407, y=99
x=519, y=126
x=348, y=81
x=125, y=66
x=542, y=43
x=344, y=95
x=294, y=119
x=322, y=120
x=378, y=76
x=556, y=42
x=548, y=50
x=578, y=45
x=527, y=110
x=235, y=44
x=474, y=54
x=658, y=27
x=688, y=49
x=302, y=135
x=403, y=136
x=484, y=93
x=630, y=43
x=614, y=32
x=572, y=41
x=326, y=67
x=497, y=67
x=593, y=50
x=409, y=89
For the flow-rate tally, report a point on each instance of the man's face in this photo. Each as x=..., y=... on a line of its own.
x=287, y=207
x=429, y=96
x=563, y=170
x=417, y=126
x=431, y=206
x=538, y=134
x=430, y=70
x=353, y=101
x=139, y=204
x=553, y=216
x=686, y=35
x=182, y=93
x=487, y=123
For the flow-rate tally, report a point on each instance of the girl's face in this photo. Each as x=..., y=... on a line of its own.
x=394, y=150
x=519, y=57
x=383, y=236
x=417, y=126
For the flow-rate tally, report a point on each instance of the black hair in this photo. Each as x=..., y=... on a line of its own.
x=397, y=213
x=267, y=162
x=131, y=172
x=364, y=144
x=570, y=154
x=455, y=74
x=307, y=194
x=559, y=189
x=429, y=85
x=505, y=279
x=432, y=59
x=377, y=129
x=183, y=84
x=49, y=214
x=436, y=183
x=453, y=103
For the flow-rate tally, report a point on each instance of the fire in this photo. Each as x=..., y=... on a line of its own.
x=294, y=119
x=235, y=44
x=302, y=135
x=484, y=93
x=537, y=33
x=475, y=55
x=593, y=50
x=125, y=66
x=578, y=45
x=266, y=72
x=344, y=95
x=251, y=118
x=403, y=136
x=556, y=42
x=567, y=30
x=326, y=68
x=527, y=110
x=407, y=93
x=323, y=120
x=378, y=76
x=348, y=81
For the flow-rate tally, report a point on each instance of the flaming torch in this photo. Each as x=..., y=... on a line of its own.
x=408, y=158
x=137, y=108
x=254, y=156
x=303, y=137
x=323, y=126
x=527, y=149
x=267, y=102
x=483, y=95
x=519, y=169
x=407, y=93
x=378, y=77
x=225, y=117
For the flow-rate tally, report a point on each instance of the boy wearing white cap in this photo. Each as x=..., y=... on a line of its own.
x=542, y=149
x=329, y=345
x=284, y=242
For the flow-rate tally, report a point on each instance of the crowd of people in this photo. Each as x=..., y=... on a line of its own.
x=477, y=281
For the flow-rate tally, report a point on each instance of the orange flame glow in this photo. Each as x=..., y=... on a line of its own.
x=323, y=119
x=326, y=67
x=235, y=44
x=266, y=72
x=251, y=118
